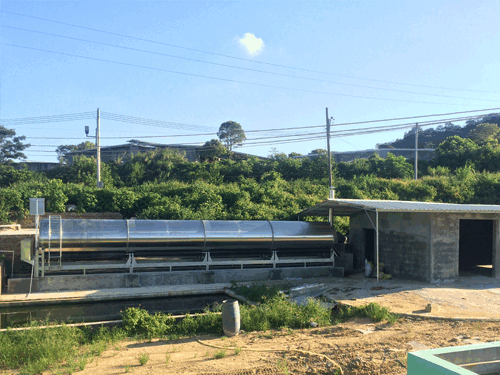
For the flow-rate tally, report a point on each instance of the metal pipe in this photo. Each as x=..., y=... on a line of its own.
x=376, y=244
x=200, y=235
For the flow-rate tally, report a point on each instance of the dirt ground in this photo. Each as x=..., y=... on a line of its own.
x=359, y=346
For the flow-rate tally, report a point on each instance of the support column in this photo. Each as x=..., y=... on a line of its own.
x=376, y=243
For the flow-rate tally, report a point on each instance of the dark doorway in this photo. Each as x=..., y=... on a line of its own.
x=476, y=247
x=369, y=239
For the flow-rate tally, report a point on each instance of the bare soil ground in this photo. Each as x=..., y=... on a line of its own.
x=359, y=346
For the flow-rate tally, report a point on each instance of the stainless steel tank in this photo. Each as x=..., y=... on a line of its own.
x=193, y=235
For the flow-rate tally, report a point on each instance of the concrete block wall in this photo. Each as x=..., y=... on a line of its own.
x=2, y=274
x=445, y=237
x=12, y=242
x=404, y=242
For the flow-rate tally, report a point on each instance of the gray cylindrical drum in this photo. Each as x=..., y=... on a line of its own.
x=230, y=318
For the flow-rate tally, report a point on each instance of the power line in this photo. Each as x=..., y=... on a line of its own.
x=221, y=79
x=239, y=58
x=242, y=68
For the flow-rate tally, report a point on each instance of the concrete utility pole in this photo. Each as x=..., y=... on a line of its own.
x=328, y=150
x=98, y=144
x=416, y=151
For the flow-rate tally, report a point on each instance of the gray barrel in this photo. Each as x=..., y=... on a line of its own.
x=230, y=318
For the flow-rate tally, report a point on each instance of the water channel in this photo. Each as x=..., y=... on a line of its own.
x=104, y=310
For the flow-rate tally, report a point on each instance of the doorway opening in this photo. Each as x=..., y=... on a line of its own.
x=476, y=248
x=369, y=239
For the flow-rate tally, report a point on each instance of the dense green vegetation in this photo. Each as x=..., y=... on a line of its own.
x=163, y=185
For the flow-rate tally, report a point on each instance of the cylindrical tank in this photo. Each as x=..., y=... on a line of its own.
x=194, y=236
x=230, y=318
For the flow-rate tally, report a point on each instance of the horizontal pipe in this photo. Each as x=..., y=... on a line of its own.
x=199, y=235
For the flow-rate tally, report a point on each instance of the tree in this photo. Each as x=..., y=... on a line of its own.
x=212, y=150
x=455, y=152
x=11, y=148
x=231, y=133
x=64, y=150
x=485, y=134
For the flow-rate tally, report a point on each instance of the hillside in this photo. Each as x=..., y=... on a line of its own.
x=432, y=137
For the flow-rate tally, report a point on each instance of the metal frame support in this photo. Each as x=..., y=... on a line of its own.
x=375, y=226
x=131, y=263
x=376, y=244
x=274, y=259
x=207, y=261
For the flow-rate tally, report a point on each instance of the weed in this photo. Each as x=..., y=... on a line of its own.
x=195, y=354
x=282, y=365
x=373, y=311
x=173, y=337
x=143, y=358
x=237, y=350
x=36, y=349
x=82, y=362
x=167, y=358
x=127, y=368
x=257, y=292
x=206, y=354
x=220, y=354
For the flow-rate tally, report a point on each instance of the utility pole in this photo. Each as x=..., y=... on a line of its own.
x=416, y=151
x=98, y=144
x=328, y=150
x=331, y=190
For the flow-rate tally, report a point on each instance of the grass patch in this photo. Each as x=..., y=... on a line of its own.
x=279, y=312
x=143, y=358
x=138, y=322
x=220, y=354
x=260, y=293
x=373, y=311
x=35, y=350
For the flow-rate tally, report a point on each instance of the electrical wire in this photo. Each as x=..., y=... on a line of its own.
x=238, y=58
x=221, y=79
x=243, y=68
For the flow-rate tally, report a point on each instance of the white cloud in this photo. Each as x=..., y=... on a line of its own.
x=251, y=43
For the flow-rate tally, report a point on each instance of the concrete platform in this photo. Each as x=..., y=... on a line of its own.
x=156, y=279
x=12, y=300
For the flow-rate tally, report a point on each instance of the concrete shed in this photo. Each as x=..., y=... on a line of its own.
x=423, y=241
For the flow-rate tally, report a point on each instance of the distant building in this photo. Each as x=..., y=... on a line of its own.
x=112, y=153
x=36, y=166
x=408, y=153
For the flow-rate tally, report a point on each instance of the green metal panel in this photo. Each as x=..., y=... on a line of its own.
x=431, y=362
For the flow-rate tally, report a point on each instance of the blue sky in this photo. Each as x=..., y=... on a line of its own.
x=445, y=52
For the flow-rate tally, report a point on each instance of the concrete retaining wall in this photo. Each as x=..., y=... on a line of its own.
x=135, y=280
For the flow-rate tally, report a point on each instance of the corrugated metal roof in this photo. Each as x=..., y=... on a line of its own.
x=350, y=206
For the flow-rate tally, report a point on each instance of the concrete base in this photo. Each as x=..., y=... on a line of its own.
x=145, y=279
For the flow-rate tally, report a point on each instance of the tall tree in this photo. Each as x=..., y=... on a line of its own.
x=11, y=146
x=64, y=150
x=231, y=133
x=212, y=150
